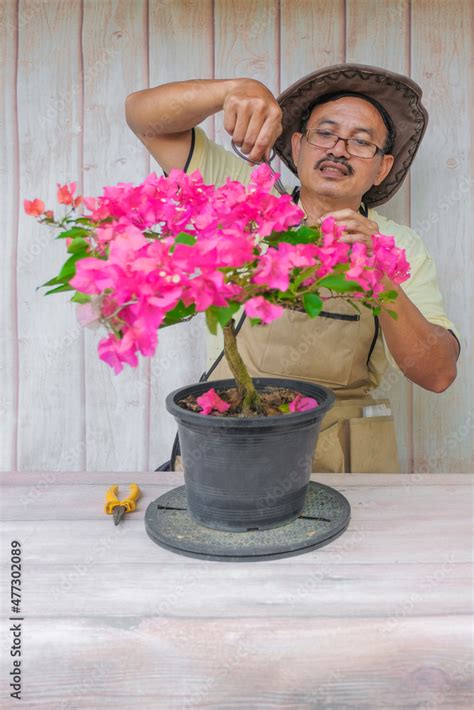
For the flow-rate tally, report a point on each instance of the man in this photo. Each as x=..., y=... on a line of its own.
x=350, y=133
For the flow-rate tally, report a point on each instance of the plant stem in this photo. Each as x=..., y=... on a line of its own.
x=251, y=402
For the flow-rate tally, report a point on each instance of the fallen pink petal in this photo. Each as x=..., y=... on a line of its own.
x=210, y=400
x=302, y=404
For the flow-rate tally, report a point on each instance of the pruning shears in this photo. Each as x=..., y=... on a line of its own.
x=118, y=508
x=278, y=183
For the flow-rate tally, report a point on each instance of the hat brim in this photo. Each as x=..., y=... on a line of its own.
x=399, y=95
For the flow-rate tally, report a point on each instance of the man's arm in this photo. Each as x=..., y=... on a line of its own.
x=162, y=117
x=426, y=353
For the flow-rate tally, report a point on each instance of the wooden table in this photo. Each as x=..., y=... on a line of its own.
x=378, y=619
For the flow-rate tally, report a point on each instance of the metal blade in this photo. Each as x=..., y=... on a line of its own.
x=118, y=513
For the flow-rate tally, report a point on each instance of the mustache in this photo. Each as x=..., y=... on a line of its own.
x=333, y=159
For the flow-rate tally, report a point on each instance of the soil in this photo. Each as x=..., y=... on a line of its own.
x=272, y=398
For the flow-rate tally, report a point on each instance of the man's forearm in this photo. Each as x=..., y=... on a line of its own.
x=425, y=352
x=175, y=107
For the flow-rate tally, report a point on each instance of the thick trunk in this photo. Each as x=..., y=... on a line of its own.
x=251, y=402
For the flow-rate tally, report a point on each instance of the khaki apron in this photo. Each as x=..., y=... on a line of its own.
x=333, y=350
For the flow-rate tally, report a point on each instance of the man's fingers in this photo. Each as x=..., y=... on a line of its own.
x=241, y=125
x=230, y=119
x=267, y=136
x=362, y=238
x=253, y=129
x=354, y=221
x=354, y=226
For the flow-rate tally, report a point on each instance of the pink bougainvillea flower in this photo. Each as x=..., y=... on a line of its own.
x=331, y=231
x=210, y=400
x=263, y=178
x=390, y=258
x=208, y=289
x=93, y=275
x=34, y=208
x=174, y=240
x=65, y=193
x=114, y=351
x=273, y=270
x=92, y=203
x=359, y=261
x=140, y=337
x=302, y=404
x=259, y=307
x=88, y=314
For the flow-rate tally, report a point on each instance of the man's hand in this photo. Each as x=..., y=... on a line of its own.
x=162, y=117
x=252, y=117
x=358, y=228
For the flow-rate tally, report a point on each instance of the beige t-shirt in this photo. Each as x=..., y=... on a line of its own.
x=216, y=164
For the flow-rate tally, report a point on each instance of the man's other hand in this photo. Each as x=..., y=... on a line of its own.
x=357, y=227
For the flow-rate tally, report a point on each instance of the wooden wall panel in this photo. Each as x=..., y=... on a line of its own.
x=387, y=25
x=9, y=208
x=442, y=35
x=312, y=36
x=245, y=45
x=114, y=60
x=50, y=359
x=180, y=48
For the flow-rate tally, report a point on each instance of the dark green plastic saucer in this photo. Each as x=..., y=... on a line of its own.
x=325, y=516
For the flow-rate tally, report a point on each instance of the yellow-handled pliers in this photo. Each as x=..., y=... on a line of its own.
x=116, y=507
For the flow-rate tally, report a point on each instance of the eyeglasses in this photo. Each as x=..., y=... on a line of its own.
x=354, y=146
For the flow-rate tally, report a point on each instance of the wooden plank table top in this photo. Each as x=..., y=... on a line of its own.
x=380, y=618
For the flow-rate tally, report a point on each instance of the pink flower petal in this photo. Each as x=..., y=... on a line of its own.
x=210, y=400
x=302, y=404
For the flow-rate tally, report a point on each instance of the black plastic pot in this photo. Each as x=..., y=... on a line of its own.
x=247, y=473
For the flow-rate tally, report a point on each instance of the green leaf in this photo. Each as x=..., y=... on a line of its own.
x=183, y=238
x=177, y=314
x=69, y=268
x=63, y=287
x=338, y=282
x=313, y=304
x=74, y=232
x=392, y=314
x=78, y=244
x=305, y=273
x=341, y=268
x=223, y=314
x=284, y=408
x=211, y=320
x=80, y=297
x=303, y=235
x=389, y=295
x=85, y=220
x=285, y=294
x=51, y=282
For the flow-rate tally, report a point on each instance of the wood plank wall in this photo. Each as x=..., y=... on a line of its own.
x=67, y=67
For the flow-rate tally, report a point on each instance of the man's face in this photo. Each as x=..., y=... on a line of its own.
x=332, y=172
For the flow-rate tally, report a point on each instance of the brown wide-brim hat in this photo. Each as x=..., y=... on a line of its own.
x=399, y=95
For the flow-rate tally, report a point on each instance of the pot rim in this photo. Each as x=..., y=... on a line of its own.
x=303, y=386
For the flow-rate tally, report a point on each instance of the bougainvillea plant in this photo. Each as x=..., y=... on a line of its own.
x=149, y=256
